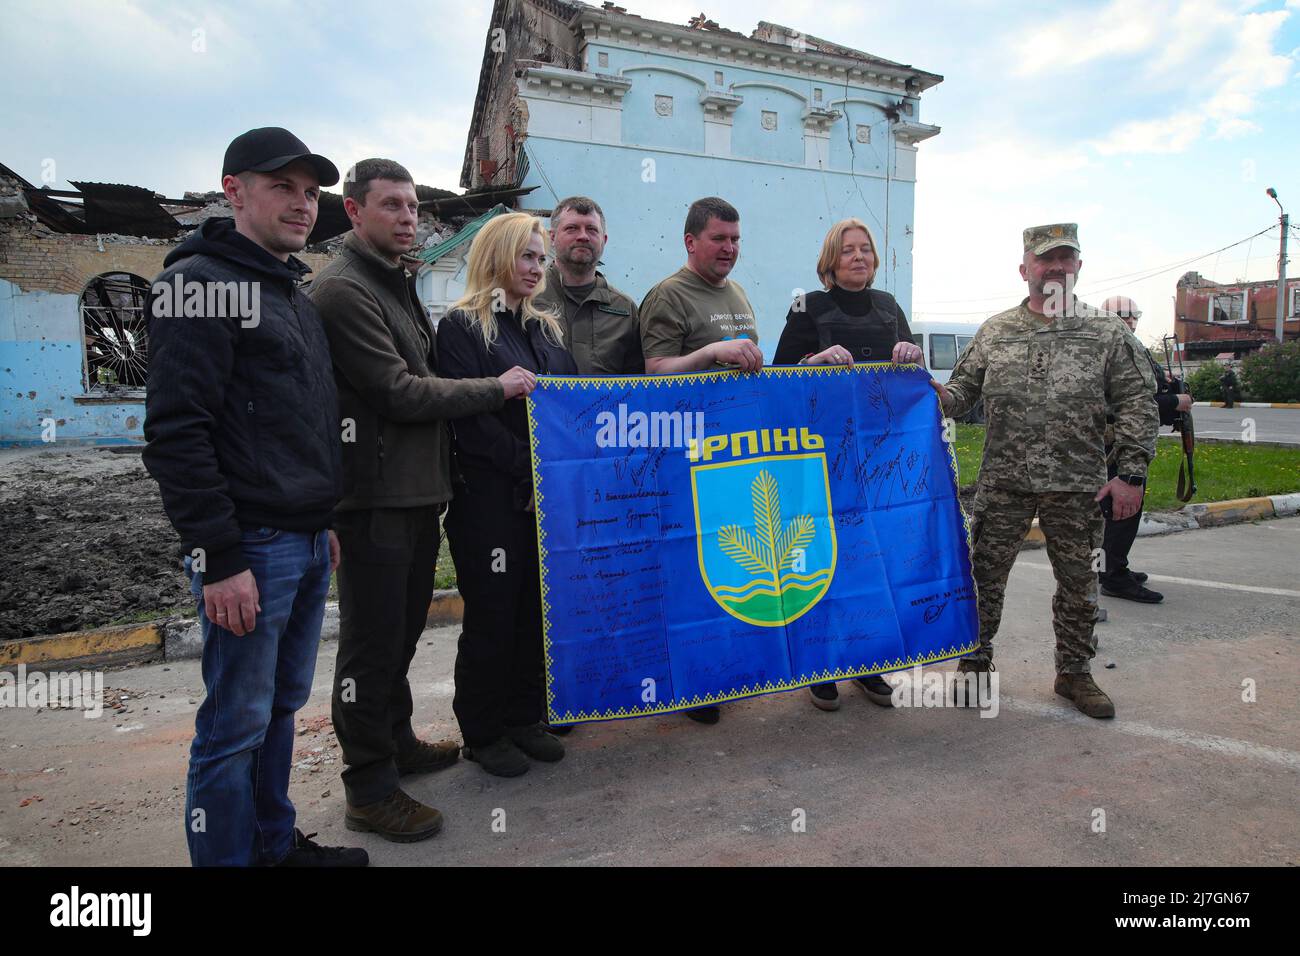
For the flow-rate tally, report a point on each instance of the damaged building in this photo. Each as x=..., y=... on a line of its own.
x=645, y=116
x=1212, y=318
x=75, y=267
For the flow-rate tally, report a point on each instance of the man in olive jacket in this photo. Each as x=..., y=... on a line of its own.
x=397, y=481
x=600, y=322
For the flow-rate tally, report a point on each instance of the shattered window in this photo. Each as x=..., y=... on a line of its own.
x=114, y=331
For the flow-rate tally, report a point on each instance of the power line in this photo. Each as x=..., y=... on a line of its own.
x=1142, y=275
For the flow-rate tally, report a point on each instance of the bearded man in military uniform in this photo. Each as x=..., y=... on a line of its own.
x=1047, y=371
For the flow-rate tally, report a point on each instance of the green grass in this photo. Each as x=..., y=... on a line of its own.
x=149, y=616
x=1223, y=470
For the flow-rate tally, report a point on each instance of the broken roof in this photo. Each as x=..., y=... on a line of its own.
x=434, y=253
x=766, y=34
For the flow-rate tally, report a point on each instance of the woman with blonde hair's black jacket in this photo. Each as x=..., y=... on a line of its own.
x=491, y=524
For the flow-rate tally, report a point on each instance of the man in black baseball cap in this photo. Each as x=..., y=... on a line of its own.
x=273, y=147
x=243, y=432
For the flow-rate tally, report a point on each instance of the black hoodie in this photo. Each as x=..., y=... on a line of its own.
x=241, y=413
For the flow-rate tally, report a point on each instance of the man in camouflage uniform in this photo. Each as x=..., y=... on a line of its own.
x=1047, y=371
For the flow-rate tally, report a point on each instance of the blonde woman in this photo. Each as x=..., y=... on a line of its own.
x=849, y=322
x=491, y=522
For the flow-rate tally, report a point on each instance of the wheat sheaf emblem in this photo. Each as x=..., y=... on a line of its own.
x=772, y=548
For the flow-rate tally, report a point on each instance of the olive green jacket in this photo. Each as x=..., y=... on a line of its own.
x=601, y=331
x=392, y=404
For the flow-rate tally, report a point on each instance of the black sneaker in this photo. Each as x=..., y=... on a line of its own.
x=501, y=758
x=1131, y=590
x=307, y=852
x=877, y=689
x=536, y=742
x=1139, y=576
x=825, y=696
x=704, y=715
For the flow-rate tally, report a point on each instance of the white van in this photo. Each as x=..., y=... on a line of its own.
x=942, y=344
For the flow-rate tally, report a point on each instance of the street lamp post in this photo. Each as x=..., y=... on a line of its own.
x=1282, y=303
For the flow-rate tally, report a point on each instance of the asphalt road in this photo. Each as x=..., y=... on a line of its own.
x=1188, y=773
x=1271, y=424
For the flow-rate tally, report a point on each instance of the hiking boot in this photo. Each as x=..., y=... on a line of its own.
x=1131, y=590
x=501, y=758
x=425, y=757
x=561, y=731
x=398, y=817
x=1085, y=693
x=536, y=742
x=307, y=852
x=961, y=696
x=825, y=696
x=704, y=715
x=877, y=689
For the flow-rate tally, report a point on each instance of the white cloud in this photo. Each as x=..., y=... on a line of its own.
x=1225, y=59
x=431, y=147
x=1121, y=28
x=1171, y=134
x=117, y=39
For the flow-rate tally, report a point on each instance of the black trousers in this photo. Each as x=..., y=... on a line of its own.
x=385, y=581
x=1118, y=538
x=499, y=680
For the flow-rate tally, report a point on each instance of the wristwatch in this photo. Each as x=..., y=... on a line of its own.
x=1135, y=480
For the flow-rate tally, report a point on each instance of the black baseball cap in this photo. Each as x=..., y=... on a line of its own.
x=272, y=147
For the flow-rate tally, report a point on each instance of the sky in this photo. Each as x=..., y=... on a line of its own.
x=1155, y=125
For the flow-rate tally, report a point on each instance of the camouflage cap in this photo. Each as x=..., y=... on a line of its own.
x=1039, y=239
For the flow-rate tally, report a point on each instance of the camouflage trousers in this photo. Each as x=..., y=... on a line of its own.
x=1072, y=524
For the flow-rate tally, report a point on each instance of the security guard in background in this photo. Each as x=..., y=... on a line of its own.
x=600, y=323
x=1117, y=580
x=1048, y=370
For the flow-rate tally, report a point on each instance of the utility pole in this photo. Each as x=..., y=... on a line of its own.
x=1282, y=303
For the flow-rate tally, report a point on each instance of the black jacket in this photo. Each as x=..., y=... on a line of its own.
x=241, y=413
x=496, y=443
x=869, y=323
x=1166, y=393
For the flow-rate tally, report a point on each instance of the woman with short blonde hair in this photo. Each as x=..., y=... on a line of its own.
x=491, y=526
x=833, y=247
x=849, y=322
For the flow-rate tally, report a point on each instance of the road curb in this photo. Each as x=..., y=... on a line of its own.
x=1212, y=514
x=1246, y=405
x=181, y=639
x=98, y=647
x=168, y=639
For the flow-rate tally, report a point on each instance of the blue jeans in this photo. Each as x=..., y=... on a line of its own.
x=237, y=809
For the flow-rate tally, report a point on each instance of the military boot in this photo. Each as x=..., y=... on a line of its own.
x=1086, y=695
x=424, y=757
x=972, y=691
x=398, y=817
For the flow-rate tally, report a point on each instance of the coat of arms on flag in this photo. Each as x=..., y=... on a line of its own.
x=713, y=536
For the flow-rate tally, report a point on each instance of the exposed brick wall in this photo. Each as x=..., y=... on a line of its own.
x=533, y=31
x=35, y=259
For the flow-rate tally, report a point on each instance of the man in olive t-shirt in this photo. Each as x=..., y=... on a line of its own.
x=698, y=318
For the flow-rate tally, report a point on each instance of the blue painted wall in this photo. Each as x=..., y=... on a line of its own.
x=785, y=206
x=42, y=372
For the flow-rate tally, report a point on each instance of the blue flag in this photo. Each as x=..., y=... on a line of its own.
x=719, y=535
